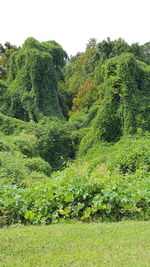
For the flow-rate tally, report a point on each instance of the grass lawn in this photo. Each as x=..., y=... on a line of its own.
x=97, y=244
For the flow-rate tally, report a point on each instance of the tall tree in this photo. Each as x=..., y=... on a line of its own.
x=5, y=52
x=32, y=80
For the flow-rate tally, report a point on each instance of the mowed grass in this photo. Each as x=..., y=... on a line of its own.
x=97, y=244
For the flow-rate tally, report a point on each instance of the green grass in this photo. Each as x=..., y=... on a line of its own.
x=120, y=244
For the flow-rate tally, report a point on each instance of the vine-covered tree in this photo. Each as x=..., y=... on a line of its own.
x=5, y=53
x=32, y=80
x=125, y=98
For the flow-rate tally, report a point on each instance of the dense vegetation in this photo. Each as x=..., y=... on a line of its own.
x=74, y=132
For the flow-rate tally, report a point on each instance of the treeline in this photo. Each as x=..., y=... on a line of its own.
x=41, y=81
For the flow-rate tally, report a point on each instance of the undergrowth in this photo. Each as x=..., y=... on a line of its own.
x=109, y=183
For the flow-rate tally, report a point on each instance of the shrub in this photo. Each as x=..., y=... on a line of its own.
x=27, y=144
x=12, y=167
x=38, y=165
x=101, y=186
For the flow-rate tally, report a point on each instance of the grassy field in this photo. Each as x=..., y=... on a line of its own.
x=106, y=244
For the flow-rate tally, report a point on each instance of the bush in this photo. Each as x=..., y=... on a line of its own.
x=130, y=154
x=72, y=196
x=38, y=165
x=54, y=142
x=27, y=144
x=12, y=167
x=49, y=139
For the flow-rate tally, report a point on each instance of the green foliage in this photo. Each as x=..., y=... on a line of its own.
x=78, y=120
x=109, y=184
x=87, y=95
x=77, y=71
x=19, y=159
x=33, y=74
x=49, y=139
x=54, y=142
x=12, y=167
x=108, y=48
x=5, y=52
x=27, y=144
x=38, y=165
x=106, y=91
x=59, y=56
x=124, y=98
x=130, y=155
x=4, y=100
x=79, y=88
x=146, y=52
x=9, y=125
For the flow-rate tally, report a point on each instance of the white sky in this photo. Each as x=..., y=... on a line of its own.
x=72, y=23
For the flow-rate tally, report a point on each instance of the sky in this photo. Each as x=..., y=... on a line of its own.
x=72, y=23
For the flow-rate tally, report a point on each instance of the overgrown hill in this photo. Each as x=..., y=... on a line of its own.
x=74, y=133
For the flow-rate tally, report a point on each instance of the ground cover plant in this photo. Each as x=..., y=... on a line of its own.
x=108, y=184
